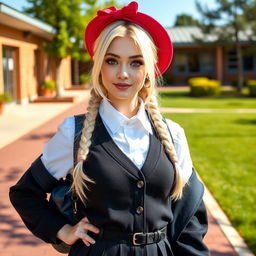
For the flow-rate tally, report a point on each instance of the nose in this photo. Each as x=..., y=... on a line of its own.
x=122, y=73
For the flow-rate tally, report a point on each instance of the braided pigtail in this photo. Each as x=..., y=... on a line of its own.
x=80, y=180
x=166, y=140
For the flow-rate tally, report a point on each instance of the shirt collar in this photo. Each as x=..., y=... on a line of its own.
x=113, y=119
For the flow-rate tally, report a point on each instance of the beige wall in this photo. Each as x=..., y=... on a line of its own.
x=31, y=64
x=1, y=70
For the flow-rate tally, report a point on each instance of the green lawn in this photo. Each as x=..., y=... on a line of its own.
x=223, y=149
x=180, y=99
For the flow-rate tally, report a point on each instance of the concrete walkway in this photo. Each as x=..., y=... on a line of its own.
x=23, y=132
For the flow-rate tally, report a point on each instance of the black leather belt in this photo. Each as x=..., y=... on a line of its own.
x=138, y=238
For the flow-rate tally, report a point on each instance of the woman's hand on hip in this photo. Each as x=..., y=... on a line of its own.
x=70, y=234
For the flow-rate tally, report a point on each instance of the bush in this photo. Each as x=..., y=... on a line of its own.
x=202, y=86
x=5, y=97
x=252, y=87
x=84, y=78
x=49, y=84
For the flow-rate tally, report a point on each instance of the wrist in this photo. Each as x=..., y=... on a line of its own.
x=65, y=234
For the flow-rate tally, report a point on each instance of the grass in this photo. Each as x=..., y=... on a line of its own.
x=228, y=99
x=223, y=151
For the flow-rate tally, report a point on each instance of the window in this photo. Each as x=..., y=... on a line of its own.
x=194, y=63
x=181, y=63
x=249, y=62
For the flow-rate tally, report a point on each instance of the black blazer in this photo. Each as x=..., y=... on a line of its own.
x=188, y=219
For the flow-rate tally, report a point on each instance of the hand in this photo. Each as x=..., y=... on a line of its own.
x=70, y=234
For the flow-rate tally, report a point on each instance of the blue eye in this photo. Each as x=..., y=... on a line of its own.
x=111, y=61
x=137, y=63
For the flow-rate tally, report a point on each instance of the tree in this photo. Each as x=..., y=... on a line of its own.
x=65, y=16
x=230, y=14
x=69, y=18
x=185, y=20
x=250, y=12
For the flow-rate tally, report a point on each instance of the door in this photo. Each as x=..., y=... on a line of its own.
x=9, y=64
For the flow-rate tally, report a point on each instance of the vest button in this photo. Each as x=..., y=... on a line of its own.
x=139, y=210
x=140, y=184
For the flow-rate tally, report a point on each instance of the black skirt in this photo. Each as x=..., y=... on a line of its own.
x=105, y=248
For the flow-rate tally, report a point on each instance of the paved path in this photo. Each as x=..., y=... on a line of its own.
x=15, y=158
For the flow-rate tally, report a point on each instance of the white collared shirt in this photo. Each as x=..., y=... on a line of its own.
x=130, y=135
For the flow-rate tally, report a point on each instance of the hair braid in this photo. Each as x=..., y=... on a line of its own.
x=79, y=177
x=166, y=140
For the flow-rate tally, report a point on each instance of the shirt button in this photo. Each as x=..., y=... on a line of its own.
x=140, y=184
x=140, y=209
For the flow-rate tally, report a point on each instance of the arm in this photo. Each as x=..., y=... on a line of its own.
x=190, y=241
x=190, y=224
x=28, y=197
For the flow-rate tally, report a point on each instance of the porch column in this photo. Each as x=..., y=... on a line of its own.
x=1, y=70
x=219, y=64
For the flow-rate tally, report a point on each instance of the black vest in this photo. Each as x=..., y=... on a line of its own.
x=124, y=197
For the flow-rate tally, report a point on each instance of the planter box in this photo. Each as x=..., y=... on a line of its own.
x=1, y=108
x=52, y=99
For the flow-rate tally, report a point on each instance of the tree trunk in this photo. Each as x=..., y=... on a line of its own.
x=76, y=72
x=57, y=76
x=240, y=75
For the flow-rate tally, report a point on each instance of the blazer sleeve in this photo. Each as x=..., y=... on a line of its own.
x=190, y=241
x=190, y=222
x=29, y=198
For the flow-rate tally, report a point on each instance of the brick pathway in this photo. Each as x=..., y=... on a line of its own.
x=15, y=158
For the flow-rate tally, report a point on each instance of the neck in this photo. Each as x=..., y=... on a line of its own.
x=127, y=108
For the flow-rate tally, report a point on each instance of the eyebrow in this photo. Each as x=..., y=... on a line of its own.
x=117, y=56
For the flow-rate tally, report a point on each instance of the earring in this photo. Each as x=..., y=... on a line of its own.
x=146, y=82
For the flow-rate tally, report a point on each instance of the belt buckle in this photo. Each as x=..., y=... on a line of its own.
x=134, y=238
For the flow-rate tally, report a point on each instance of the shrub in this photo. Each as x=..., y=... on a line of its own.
x=202, y=86
x=5, y=97
x=84, y=78
x=49, y=84
x=252, y=87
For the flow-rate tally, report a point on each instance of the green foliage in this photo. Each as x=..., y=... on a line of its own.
x=5, y=97
x=202, y=86
x=84, y=78
x=252, y=87
x=185, y=20
x=66, y=17
x=69, y=18
x=49, y=84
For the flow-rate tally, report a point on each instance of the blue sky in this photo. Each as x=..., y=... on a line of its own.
x=164, y=11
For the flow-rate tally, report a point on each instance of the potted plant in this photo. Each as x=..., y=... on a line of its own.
x=84, y=80
x=4, y=98
x=48, y=88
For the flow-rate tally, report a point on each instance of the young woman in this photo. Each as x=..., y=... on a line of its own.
x=138, y=192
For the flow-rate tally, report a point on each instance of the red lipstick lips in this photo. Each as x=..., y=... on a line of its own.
x=122, y=86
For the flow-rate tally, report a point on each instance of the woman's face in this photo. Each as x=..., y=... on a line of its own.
x=123, y=71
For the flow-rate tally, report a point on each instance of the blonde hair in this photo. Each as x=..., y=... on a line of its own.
x=148, y=94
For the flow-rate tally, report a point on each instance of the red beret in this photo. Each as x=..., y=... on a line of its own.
x=130, y=13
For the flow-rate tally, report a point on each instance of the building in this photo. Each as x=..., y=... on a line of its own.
x=23, y=63
x=211, y=60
